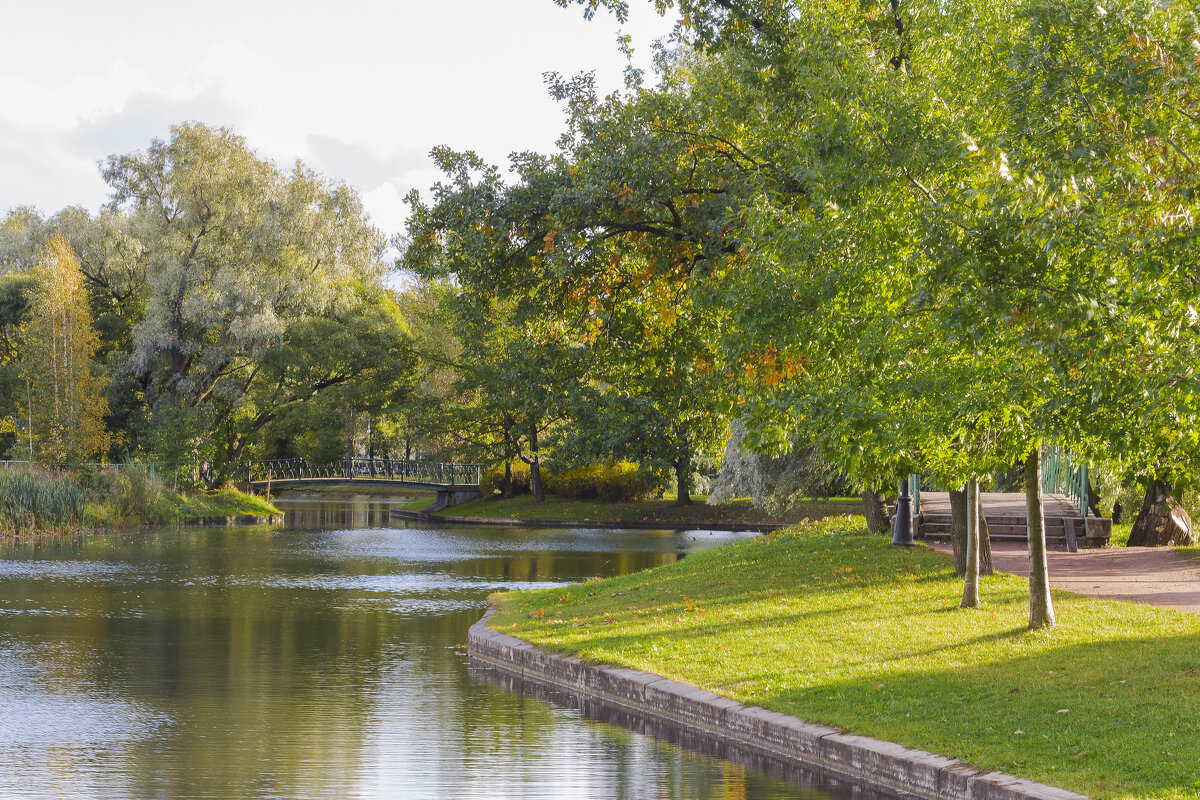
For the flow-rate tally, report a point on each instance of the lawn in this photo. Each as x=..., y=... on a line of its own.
x=837, y=627
x=699, y=512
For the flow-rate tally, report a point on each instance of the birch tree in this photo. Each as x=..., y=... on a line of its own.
x=64, y=400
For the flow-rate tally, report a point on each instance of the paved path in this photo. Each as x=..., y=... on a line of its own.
x=1154, y=575
x=1000, y=504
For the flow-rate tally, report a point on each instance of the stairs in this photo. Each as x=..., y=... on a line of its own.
x=1001, y=528
x=1005, y=515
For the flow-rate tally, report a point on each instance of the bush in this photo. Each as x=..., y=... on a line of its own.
x=32, y=502
x=522, y=483
x=622, y=481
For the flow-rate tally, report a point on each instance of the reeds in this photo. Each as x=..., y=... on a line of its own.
x=32, y=502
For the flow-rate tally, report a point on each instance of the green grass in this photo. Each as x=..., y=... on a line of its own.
x=699, y=512
x=841, y=628
x=1120, y=534
x=221, y=503
x=419, y=501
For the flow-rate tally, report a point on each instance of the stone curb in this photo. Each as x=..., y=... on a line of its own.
x=756, y=527
x=916, y=772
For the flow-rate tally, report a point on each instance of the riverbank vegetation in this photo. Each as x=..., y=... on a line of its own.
x=837, y=627
x=38, y=503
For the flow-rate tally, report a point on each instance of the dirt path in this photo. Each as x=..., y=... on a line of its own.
x=1153, y=575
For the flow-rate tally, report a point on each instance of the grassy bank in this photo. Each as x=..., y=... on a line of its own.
x=554, y=507
x=170, y=507
x=841, y=628
x=34, y=503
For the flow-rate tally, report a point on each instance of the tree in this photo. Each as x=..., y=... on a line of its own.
x=64, y=400
x=228, y=254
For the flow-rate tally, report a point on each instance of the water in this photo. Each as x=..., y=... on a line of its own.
x=321, y=659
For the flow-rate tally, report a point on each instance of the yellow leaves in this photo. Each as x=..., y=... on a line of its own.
x=548, y=245
x=771, y=368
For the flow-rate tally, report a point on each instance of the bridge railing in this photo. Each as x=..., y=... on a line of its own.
x=395, y=469
x=1061, y=476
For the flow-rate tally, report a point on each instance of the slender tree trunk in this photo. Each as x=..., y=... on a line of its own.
x=506, y=490
x=1041, y=607
x=876, y=512
x=535, y=469
x=349, y=441
x=971, y=583
x=985, y=542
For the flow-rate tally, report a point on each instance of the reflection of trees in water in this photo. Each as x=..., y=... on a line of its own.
x=354, y=511
x=296, y=663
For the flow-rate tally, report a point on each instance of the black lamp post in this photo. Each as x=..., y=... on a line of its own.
x=902, y=528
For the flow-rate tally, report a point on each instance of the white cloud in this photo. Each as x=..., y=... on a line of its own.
x=361, y=90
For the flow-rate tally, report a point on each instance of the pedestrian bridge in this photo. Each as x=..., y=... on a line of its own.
x=454, y=483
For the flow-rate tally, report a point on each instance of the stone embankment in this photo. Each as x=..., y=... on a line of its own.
x=908, y=771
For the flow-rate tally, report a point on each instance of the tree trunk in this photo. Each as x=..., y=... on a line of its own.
x=683, y=480
x=1041, y=607
x=971, y=583
x=985, y=542
x=958, y=530
x=958, y=534
x=875, y=511
x=506, y=489
x=1162, y=521
x=535, y=469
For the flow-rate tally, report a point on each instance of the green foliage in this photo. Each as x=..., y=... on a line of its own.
x=32, y=503
x=843, y=629
x=622, y=481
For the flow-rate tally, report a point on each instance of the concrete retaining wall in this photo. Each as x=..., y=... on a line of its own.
x=754, y=527
x=923, y=774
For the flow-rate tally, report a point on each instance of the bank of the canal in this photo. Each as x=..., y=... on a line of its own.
x=845, y=631
x=322, y=658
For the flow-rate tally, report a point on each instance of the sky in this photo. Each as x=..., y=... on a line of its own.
x=360, y=90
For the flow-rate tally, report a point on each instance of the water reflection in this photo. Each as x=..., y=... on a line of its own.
x=309, y=662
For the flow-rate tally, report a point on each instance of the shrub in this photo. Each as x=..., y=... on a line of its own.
x=621, y=481
x=522, y=483
x=32, y=502
x=128, y=493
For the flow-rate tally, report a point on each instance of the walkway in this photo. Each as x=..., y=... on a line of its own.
x=1155, y=575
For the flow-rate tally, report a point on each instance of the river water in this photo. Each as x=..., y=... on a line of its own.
x=322, y=658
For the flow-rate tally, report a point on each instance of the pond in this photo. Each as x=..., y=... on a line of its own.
x=322, y=658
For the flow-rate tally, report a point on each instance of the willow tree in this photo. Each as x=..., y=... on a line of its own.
x=64, y=402
x=231, y=252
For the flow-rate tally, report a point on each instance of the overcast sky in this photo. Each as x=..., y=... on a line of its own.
x=359, y=89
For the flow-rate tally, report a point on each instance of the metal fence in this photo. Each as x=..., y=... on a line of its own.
x=1061, y=476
